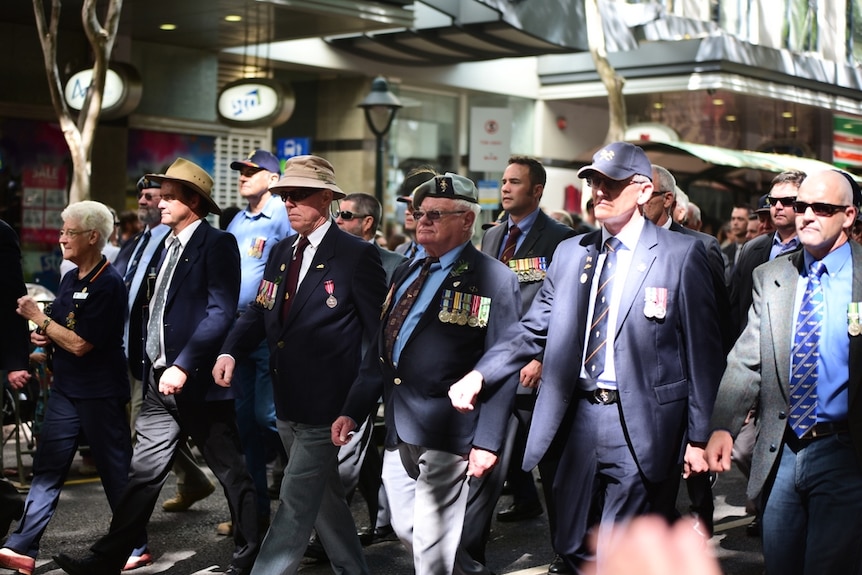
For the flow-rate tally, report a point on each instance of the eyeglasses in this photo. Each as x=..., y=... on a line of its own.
x=248, y=171
x=610, y=185
x=820, y=209
x=348, y=215
x=73, y=233
x=786, y=201
x=149, y=196
x=296, y=196
x=434, y=215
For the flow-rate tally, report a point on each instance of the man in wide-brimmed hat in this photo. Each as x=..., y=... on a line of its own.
x=320, y=297
x=191, y=310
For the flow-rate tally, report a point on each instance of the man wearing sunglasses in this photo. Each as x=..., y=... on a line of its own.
x=319, y=299
x=442, y=313
x=626, y=318
x=800, y=358
x=359, y=215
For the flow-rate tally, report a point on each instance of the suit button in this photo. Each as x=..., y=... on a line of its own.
x=280, y=345
x=274, y=371
x=397, y=381
x=773, y=448
x=381, y=359
x=782, y=415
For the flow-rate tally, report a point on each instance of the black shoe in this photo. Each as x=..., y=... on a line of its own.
x=559, y=565
x=753, y=528
x=315, y=550
x=366, y=536
x=384, y=533
x=89, y=565
x=234, y=570
x=520, y=512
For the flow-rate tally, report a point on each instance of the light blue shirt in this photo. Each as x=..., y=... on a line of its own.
x=256, y=234
x=778, y=247
x=833, y=370
x=435, y=278
x=525, y=225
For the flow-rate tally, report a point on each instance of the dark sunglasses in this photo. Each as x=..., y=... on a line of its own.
x=296, y=195
x=347, y=215
x=434, y=215
x=820, y=209
x=786, y=201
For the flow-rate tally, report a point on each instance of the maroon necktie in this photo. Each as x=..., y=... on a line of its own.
x=511, y=243
x=403, y=305
x=293, y=277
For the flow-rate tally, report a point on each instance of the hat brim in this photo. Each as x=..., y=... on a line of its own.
x=291, y=182
x=405, y=199
x=240, y=165
x=213, y=207
x=617, y=174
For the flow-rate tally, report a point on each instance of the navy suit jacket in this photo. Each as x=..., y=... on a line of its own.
x=199, y=310
x=14, y=336
x=138, y=311
x=315, y=354
x=435, y=356
x=667, y=369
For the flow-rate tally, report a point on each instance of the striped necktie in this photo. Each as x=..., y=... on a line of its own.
x=598, y=335
x=806, y=354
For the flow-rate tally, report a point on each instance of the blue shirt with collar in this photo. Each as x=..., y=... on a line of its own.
x=436, y=275
x=255, y=235
x=833, y=370
x=525, y=225
x=778, y=247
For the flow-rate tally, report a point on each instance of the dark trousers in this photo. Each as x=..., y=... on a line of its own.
x=102, y=419
x=164, y=420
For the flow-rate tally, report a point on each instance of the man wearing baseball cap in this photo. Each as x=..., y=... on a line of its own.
x=257, y=229
x=626, y=319
x=442, y=313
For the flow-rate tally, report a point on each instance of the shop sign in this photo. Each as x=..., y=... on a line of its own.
x=122, y=92
x=255, y=102
x=490, y=139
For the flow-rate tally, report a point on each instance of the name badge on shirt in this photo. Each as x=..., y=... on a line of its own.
x=80, y=295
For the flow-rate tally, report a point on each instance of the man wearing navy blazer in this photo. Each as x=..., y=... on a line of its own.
x=463, y=305
x=198, y=287
x=803, y=333
x=630, y=396
x=538, y=235
x=320, y=297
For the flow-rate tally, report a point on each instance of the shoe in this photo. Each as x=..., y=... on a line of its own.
x=89, y=565
x=234, y=570
x=753, y=528
x=366, y=536
x=520, y=512
x=16, y=561
x=559, y=565
x=185, y=499
x=225, y=529
x=315, y=549
x=384, y=533
x=138, y=561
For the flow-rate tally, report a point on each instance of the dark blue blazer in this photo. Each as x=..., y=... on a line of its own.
x=14, y=336
x=315, y=354
x=667, y=370
x=435, y=356
x=200, y=308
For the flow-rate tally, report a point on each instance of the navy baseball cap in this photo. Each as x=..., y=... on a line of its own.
x=619, y=161
x=762, y=204
x=448, y=185
x=260, y=159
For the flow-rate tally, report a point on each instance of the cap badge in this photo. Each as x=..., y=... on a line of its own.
x=607, y=155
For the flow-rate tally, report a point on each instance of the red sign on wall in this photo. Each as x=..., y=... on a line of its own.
x=44, y=198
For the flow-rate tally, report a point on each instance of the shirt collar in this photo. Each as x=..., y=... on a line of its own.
x=630, y=233
x=315, y=237
x=184, y=236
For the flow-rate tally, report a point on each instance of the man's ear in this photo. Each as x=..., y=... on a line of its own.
x=646, y=193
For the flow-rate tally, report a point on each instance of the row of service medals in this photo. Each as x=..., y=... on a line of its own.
x=655, y=302
x=529, y=269
x=854, y=328
x=464, y=309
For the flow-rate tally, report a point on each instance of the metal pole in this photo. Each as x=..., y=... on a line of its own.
x=378, y=171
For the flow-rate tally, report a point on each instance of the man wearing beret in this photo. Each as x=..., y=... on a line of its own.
x=189, y=315
x=319, y=298
x=626, y=318
x=441, y=314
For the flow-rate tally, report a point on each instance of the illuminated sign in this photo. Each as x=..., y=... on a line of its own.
x=255, y=102
x=122, y=92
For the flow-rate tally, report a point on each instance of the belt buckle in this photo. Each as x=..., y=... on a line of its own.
x=603, y=396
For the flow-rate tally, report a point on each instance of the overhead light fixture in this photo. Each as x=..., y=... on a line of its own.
x=168, y=27
x=658, y=106
x=793, y=129
x=718, y=102
x=233, y=18
x=786, y=114
x=730, y=118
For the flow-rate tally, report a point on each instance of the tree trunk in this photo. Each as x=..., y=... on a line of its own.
x=79, y=135
x=612, y=81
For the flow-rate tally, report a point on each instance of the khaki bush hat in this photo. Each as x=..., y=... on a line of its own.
x=191, y=175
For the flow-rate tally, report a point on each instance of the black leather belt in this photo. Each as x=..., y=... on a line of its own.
x=825, y=428
x=599, y=396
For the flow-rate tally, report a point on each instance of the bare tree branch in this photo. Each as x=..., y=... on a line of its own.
x=612, y=81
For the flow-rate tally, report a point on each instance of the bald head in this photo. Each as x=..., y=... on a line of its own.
x=826, y=199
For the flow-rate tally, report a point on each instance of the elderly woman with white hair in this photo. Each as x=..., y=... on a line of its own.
x=84, y=331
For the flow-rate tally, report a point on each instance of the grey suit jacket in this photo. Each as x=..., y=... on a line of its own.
x=758, y=367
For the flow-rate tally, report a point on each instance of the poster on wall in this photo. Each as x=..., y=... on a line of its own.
x=43, y=199
x=490, y=139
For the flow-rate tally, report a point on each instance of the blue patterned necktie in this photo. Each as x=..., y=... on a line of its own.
x=598, y=336
x=806, y=354
x=133, y=265
x=160, y=296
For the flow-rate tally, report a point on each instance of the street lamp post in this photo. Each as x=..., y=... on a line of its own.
x=380, y=106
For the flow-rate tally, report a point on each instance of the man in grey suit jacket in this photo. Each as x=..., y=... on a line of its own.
x=532, y=250
x=807, y=464
x=629, y=397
